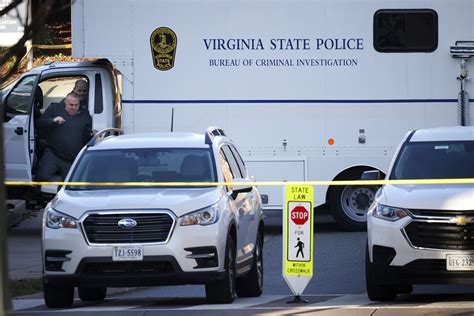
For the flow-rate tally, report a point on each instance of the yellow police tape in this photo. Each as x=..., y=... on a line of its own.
x=259, y=183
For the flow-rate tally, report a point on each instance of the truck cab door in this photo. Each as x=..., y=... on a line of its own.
x=18, y=129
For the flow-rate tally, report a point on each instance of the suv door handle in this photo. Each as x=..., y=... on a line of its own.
x=19, y=130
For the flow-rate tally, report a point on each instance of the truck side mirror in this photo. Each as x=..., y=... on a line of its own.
x=49, y=189
x=371, y=175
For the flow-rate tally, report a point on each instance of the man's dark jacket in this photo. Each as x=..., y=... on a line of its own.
x=67, y=139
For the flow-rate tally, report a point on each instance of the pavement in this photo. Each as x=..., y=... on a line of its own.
x=24, y=242
x=24, y=248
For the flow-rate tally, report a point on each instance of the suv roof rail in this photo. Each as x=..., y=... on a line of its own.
x=103, y=134
x=212, y=132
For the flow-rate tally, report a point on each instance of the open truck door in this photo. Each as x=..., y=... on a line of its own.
x=18, y=127
x=29, y=97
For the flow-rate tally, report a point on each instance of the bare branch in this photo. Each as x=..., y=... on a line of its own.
x=18, y=16
x=16, y=49
x=12, y=5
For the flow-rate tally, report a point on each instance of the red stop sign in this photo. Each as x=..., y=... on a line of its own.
x=299, y=215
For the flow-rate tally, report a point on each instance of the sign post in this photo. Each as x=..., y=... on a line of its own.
x=298, y=238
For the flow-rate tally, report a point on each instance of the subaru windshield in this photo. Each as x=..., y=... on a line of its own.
x=143, y=165
x=435, y=160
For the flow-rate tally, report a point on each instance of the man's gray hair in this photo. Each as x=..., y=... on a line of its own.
x=72, y=94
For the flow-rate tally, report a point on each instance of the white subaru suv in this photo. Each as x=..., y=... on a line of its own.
x=97, y=236
x=423, y=233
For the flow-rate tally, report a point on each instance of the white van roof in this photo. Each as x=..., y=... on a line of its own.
x=444, y=134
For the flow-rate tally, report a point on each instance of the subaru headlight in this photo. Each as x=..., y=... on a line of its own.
x=389, y=213
x=56, y=220
x=205, y=216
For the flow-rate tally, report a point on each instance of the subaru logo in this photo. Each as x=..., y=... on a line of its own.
x=127, y=223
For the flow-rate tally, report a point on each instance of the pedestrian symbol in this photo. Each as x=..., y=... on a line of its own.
x=300, y=246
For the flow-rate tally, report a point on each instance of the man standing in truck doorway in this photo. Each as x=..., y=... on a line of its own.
x=81, y=89
x=69, y=130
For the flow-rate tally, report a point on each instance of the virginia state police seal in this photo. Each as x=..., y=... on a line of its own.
x=163, y=48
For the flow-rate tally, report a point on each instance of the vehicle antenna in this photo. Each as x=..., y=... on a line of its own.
x=172, y=118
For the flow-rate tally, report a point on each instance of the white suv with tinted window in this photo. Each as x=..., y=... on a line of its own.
x=423, y=233
x=97, y=236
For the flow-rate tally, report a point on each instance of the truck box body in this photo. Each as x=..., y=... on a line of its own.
x=309, y=90
x=283, y=77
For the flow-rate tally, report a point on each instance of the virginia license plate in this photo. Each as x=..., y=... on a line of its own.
x=460, y=262
x=127, y=253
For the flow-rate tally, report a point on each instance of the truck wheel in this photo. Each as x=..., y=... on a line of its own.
x=349, y=204
x=58, y=296
x=89, y=294
x=223, y=291
x=251, y=284
x=375, y=290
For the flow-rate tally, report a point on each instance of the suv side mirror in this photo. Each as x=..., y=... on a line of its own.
x=241, y=188
x=236, y=189
x=371, y=175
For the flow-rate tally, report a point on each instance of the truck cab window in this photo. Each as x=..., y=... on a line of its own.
x=55, y=90
x=19, y=100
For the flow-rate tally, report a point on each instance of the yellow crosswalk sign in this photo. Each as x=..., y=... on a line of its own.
x=298, y=218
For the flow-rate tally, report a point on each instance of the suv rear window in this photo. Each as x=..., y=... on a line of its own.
x=435, y=160
x=144, y=165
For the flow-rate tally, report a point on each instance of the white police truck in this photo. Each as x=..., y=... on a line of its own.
x=309, y=90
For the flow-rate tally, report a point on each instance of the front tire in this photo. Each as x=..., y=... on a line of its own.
x=223, y=291
x=91, y=294
x=251, y=284
x=350, y=204
x=375, y=290
x=56, y=296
